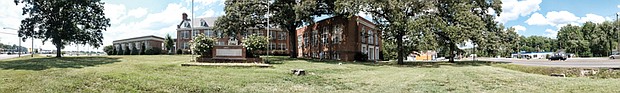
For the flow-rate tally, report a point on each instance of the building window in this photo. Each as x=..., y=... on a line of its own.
x=306, y=39
x=370, y=37
x=187, y=25
x=272, y=46
x=220, y=43
x=281, y=35
x=271, y=35
x=219, y=34
x=299, y=41
x=337, y=34
x=196, y=32
x=203, y=23
x=209, y=33
x=260, y=33
x=185, y=34
x=283, y=46
x=362, y=35
x=185, y=45
x=324, y=38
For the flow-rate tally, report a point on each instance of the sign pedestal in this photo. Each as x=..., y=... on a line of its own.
x=228, y=54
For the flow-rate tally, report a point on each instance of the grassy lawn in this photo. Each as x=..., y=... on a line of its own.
x=163, y=73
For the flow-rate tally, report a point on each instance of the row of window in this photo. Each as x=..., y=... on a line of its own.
x=368, y=36
x=312, y=37
x=279, y=46
x=219, y=34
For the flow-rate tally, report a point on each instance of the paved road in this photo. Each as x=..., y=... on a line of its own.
x=5, y=56
x=571, y=62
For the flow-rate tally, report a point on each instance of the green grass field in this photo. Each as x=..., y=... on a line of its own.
x=163, y=73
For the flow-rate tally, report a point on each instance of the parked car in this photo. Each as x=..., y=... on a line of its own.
x=558, y=56
x=614, y=56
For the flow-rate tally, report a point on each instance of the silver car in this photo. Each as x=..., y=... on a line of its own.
x=614, y=56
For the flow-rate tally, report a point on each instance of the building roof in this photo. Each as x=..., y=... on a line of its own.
x=149, y=37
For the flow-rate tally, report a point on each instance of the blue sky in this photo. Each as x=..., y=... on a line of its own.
x=131, y=18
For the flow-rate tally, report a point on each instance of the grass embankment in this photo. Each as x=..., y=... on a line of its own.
x=163, y=73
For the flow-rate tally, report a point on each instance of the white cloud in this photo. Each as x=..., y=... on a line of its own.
x=206, y=2
x=561, y=17
x=551, y=33
x=618, y=6
x=519, y=28
x=115, y=12
x=208, y=13
x=537, y=19
x=557, y=18
x=138, y=12
x=593, y=18
x=513, y=9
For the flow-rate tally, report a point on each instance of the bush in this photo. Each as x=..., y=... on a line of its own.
x=153, y=51
x=359, y=56
x=127, y=51
x=253, y=43
x=109, y=49
x=179, y=51
x=143, y=49
x=202, y=44
x=134, y=50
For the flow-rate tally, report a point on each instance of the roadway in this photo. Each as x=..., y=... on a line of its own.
x=5, y=56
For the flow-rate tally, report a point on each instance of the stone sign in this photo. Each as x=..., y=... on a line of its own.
x=229, y=52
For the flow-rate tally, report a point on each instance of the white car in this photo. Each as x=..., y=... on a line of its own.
x=614, y=56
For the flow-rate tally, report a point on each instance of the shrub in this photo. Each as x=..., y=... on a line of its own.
x=359, y=56
x=143, y=49
x=127, y=51
x=134, y=50
x=253, y=43
x=153, y=51
x=179, y=51
x=202, y=44
x=109, y=49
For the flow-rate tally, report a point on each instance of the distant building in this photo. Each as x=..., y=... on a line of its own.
x=150, y=42
x=279, y=39
x=339, y=38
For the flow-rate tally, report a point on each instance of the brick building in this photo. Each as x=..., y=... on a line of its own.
x=150, y=42
x=339, y=38
x=278, y=43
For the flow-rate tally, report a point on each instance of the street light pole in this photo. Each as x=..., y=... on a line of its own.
x=19, y=53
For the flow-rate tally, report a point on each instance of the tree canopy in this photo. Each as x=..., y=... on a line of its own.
x=64, y=22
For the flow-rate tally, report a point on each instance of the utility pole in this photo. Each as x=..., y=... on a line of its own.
x=617, y=47
x=268, y=35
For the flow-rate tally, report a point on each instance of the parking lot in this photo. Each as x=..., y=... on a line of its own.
x=570, y=62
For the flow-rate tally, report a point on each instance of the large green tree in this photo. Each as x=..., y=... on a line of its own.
x=64, y=22
x=459, y=21
x=396, y=19
x=572, y=39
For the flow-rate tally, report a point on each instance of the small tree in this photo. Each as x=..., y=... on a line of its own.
x=253, y=43
x=119, y=51
x=168, y=44
x=127, y=50
x=202, y=44
x=134, y=50
x=109, y=49
x=179, y=51
x=143, y=49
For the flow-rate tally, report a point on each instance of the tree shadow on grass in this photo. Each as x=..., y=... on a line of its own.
x=48, y=63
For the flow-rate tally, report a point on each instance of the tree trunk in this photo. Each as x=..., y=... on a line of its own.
x=293, y=42
x=399, y=45
x=58, y=52
x=451, y=48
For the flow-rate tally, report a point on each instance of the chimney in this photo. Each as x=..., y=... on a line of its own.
x=184, y=16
